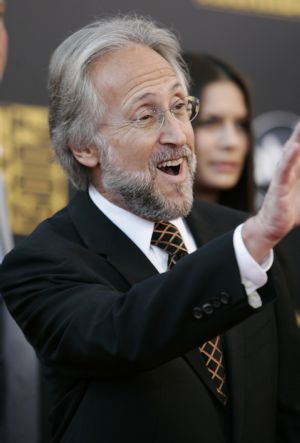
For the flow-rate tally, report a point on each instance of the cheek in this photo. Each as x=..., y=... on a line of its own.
x=133, y=151
x=204, y=145
x=244, y=147
x=190, y=137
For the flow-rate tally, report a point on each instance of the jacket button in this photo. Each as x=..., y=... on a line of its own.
x=207, y=308
x=216, y=302
x=225, y=298
x=197, y=313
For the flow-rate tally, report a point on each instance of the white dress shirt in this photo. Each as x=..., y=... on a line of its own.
x=139, y=230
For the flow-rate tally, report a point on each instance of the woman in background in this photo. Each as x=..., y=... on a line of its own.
x=223, y=135
x=224, y=149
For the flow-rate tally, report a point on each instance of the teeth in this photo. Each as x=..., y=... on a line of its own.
x=170, y=163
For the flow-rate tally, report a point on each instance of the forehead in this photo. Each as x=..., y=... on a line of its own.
x=224, y=95
x=130, y=73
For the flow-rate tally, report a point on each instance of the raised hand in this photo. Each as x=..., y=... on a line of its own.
x=280, y=211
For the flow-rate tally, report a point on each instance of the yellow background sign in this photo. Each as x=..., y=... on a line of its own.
x=286, y=8
x=36, y=186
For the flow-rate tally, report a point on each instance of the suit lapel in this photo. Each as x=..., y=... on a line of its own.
x=233, y=345
x=195, y=360
x=100, y=235
x=200, y=227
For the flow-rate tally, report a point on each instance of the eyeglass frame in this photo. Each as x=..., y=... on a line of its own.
x=160, y=116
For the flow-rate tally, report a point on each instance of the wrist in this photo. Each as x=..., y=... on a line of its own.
x=257, y=240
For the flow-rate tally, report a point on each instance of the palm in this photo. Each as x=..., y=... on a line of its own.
x=281, y=209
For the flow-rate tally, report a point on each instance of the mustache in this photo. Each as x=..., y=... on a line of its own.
x=170, y=153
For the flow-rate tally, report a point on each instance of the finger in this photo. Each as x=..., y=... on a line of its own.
x=295, y=136
x=289, y=166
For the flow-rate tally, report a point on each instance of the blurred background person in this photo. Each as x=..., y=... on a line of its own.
x=19, y=378
x=3, y=58
x=223, y=134
x=5, y=234
x=225, y=148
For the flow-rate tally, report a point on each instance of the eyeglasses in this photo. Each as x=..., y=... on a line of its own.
x=184, y=110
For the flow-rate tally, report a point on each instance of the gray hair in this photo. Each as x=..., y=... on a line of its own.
x=75, y=107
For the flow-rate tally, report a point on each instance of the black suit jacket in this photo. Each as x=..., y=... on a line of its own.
x=19, y=378
x=118, y=341
x=289, y=255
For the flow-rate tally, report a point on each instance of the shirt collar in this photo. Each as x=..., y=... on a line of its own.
x=136, y=228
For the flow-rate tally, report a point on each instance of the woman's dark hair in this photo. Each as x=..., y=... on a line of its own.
x=206, y=69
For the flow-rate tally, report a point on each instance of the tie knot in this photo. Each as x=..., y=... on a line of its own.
x=167, y=237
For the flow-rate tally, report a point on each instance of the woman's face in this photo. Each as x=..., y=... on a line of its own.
x=221, y=138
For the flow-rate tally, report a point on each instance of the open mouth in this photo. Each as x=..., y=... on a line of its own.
x=170, y=167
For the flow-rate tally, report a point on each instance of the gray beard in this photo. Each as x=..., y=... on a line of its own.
x=138, y=190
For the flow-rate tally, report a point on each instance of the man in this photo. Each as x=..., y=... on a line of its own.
x=131, y=353
x=19, y=370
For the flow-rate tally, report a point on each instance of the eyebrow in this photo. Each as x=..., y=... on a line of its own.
x=151, y=94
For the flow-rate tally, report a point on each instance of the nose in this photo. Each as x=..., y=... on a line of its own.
x=172, y=131
x=229, y=136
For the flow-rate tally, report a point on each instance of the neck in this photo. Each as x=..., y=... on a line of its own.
x=210, y=195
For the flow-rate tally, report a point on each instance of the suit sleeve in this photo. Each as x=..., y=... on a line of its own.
x=67, y=302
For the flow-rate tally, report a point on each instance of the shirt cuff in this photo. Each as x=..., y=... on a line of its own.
x=253, y=274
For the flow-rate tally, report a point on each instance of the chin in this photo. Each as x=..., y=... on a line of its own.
x=222, y=185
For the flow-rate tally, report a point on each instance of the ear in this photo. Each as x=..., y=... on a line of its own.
x=88, y=157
